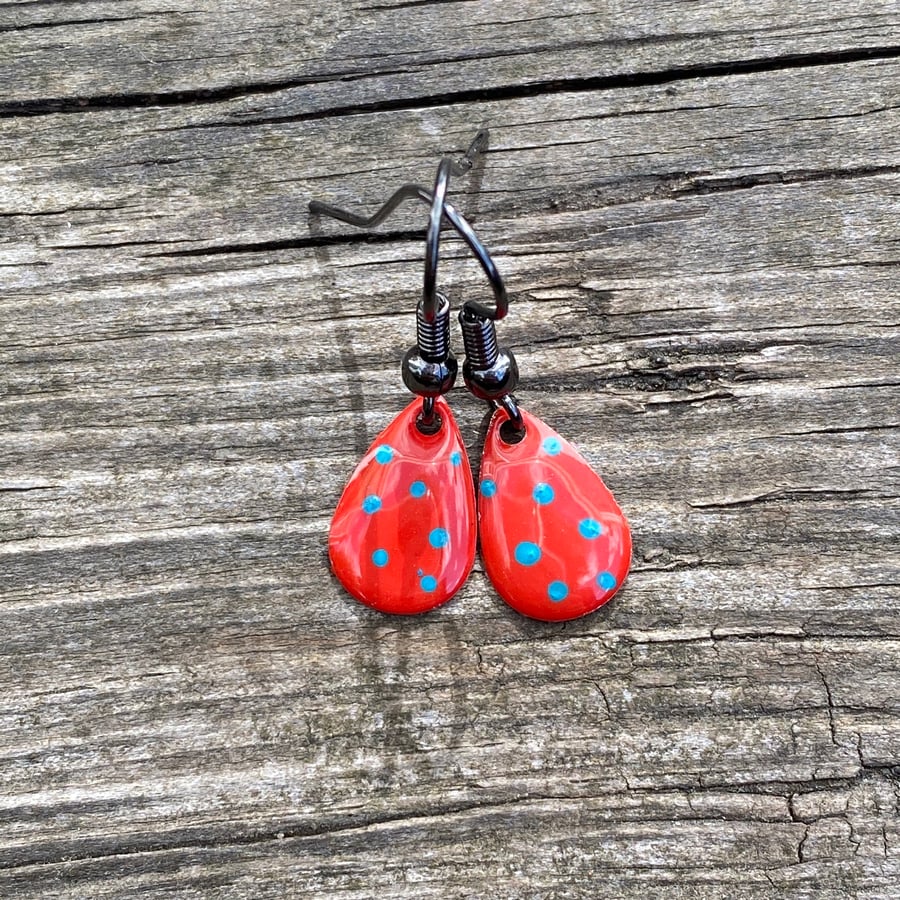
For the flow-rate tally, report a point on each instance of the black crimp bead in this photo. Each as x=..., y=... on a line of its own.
x=490, y=372
x=429, y=369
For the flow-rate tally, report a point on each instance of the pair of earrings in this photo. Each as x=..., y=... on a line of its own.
x=554, y=542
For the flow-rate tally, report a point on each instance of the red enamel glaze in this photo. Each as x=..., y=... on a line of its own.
x=554, y=541
x=403, y=535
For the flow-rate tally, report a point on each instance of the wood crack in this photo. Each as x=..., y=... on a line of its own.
x=703, y=186
x=815, y=494
x=64, y=23
x=850, y=429
x=315, y=242
x=140, y=100
x=187, y=839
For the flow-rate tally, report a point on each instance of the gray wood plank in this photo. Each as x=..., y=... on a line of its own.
x=340, y=55
x=704, y=286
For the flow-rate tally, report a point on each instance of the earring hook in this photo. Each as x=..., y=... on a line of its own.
x=446, y=168
x=440, y=208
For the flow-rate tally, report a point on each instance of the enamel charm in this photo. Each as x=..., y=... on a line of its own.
x=554, y=541
x=402, y=538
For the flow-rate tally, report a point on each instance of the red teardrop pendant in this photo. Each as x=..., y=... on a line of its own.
x=554, y=541
x=402, y=538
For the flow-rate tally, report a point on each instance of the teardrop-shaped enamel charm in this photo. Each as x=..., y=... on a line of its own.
x=554, y=541
x=402, y=538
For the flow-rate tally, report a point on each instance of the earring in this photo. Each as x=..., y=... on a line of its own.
x=554, y=542
x=402, y=538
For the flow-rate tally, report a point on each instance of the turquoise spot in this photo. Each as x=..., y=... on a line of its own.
x=551, y=445
x=456, y=457
x=418, y=489
x=380, y=558
x=542, y=493
x=557, y=590
x=372, y=504
x=607, y=580
x=590, y=528
x=428, y=583
x=527, y=554
x=384, y=454
x=488, y=488
x=439, y=538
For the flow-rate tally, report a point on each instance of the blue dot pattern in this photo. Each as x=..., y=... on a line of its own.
x=428, y=583
x=372, y=504
x=380, y=558
x=456, y=458
x=590, y=529
x=384, y=454
x=551, y=446
x=607, y=580
x=439, y=538
x=557, y=590
x=418, y=489
x=488, y=488
x=542, y=493
x=527, y=554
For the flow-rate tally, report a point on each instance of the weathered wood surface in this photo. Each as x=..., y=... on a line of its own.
x=695, y=207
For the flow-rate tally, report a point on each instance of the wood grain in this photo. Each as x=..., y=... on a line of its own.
x=695, y=211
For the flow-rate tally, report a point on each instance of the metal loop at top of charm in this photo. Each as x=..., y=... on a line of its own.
x=440, y=208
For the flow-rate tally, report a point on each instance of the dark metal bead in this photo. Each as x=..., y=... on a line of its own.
x=426, y=378
x=490, y=372
x=495, y=381
x=429, y=368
